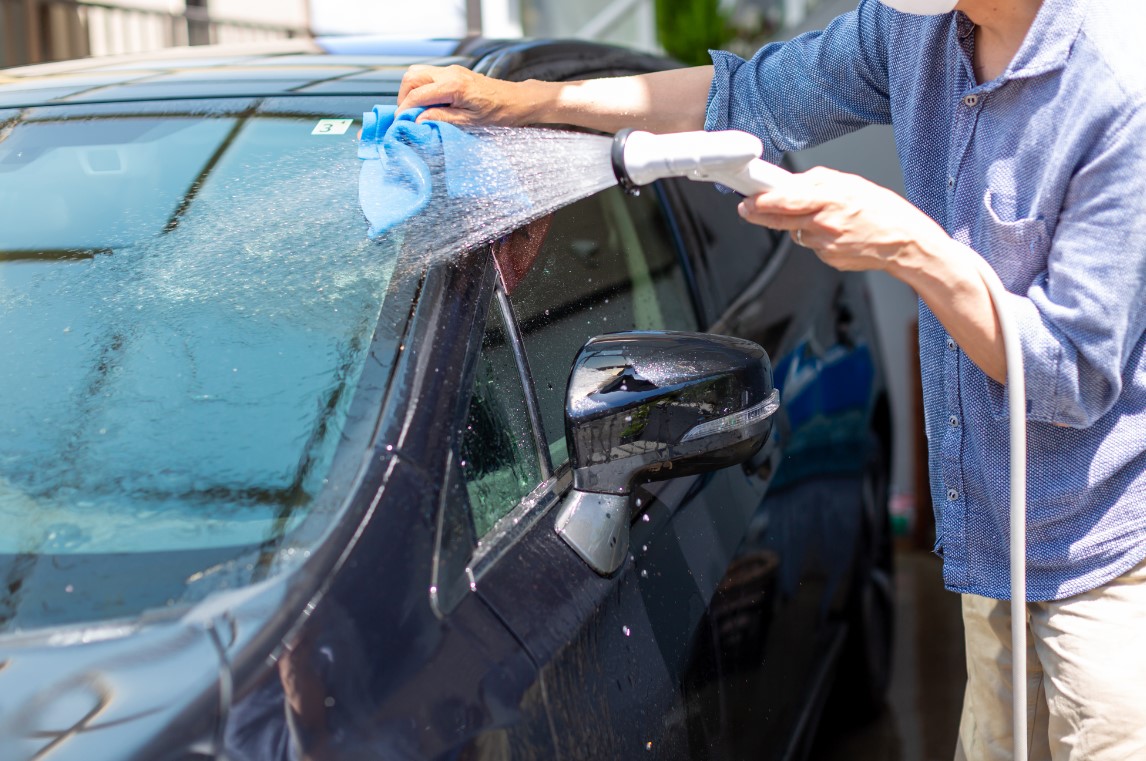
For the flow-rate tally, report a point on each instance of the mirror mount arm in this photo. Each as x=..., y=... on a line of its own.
x=596, y=527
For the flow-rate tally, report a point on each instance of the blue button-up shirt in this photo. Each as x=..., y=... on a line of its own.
x=1043, y=172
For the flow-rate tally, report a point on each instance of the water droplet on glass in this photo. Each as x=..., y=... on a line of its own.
x=69, y=589
x=433, y=590
x=628, y=418
x=627, y=631
x=644, y=573
x=645, y=518
x=473, y=586
x=638, y=501
x=648, y=745
x=389, y=447
x=644, y=548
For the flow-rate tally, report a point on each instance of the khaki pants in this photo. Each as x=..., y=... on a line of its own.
x=1086, y=676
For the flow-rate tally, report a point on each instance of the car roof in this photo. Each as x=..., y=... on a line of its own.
x=322, y=66
x=351, y=65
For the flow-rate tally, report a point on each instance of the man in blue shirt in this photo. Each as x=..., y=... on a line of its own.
x=1021, y=128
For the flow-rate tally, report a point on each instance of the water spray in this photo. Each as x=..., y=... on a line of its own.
x=732, y=158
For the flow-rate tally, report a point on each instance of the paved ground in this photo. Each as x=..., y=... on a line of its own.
x=922, y=717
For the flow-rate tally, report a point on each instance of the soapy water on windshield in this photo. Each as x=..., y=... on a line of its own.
x=180, y=381
x=252, y=309
x=536, y=172
x=268, y=265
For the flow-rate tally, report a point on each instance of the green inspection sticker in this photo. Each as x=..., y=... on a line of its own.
x=332, y=126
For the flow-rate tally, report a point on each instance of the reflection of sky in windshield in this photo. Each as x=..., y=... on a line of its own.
x=99, y=183
x=182, y=317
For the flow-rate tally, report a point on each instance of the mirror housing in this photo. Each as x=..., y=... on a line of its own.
x=646, y=406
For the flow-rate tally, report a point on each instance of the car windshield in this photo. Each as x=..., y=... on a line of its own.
x=187, y=296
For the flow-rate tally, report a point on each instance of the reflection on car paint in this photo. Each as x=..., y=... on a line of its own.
x=826, y=396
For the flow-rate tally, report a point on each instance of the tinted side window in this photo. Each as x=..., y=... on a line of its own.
x=498, y=455
x=607, y=264
x=734, y=251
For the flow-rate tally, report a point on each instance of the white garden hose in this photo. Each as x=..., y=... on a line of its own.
x=1017, y=417
x=732, y=158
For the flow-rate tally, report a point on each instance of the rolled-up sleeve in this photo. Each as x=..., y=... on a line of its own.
x=1082, y=320
x=810, y=89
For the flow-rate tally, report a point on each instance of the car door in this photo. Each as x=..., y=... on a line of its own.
x=628, y=662
x=798, y=554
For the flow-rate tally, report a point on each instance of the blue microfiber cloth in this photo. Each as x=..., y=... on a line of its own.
x=405, y=164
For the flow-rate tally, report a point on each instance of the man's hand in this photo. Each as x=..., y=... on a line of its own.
x=457, y=95
x=663, y=101
x=851, y=223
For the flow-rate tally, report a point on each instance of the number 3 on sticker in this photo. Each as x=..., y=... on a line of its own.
x=332, y=126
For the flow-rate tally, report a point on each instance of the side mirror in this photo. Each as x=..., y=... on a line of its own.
x=645, y=406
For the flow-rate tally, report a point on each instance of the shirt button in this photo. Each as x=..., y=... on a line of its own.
x=954, y=421
x=952, y=495
x=951, y=344
x=970, y=101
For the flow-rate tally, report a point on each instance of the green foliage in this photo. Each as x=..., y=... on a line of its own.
x=687, y=29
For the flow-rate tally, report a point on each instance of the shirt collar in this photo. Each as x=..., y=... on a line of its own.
x=1050, y=39
x=1048, y=43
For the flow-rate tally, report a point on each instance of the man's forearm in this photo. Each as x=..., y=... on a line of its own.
x=663, y=101
x=950, y=284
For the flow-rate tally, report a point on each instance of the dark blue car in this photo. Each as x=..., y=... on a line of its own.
x=272, y=488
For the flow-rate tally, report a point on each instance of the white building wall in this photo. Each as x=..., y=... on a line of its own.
x=625, y=22
x=501, y=18
x=283, y=12
x=422, y=18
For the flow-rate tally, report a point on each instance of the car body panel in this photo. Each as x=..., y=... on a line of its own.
x=398, y=634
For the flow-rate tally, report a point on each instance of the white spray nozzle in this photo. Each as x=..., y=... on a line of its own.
x=730, y=157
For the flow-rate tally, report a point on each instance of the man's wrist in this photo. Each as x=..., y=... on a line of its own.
x=939, y=270
x=539, y=101
x=924, y=259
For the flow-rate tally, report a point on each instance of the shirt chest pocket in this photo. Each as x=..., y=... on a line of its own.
x=1015, y=244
